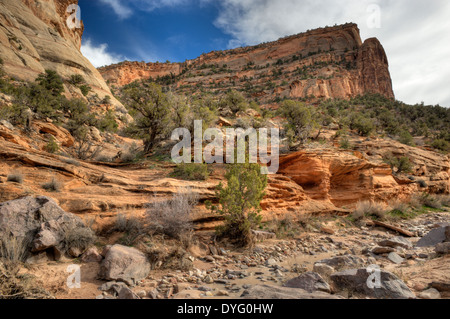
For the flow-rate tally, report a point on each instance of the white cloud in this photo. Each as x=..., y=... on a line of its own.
x=415, y=34
x=125, y=8
x=122, y=10
x=98, y=55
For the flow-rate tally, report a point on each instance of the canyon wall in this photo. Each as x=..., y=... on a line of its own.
x=330, y=62
x=34, y=36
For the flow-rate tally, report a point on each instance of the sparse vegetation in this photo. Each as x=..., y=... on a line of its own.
x=368, y=209
x=239, y=202
x=191, y=172
x=15, y=177
x=172, y=217
x=53, y=186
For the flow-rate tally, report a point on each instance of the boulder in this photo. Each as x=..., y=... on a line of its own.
x=323, y=269
x=272, y=292
x=357, y=281
x=40, y=222
x=127, y=293
x=434, y=237
x=443, y=248
x=396, y=242
x=309, y=281
x=125, y=264
x=91, y=256
x=430, y=294
x=343, y=262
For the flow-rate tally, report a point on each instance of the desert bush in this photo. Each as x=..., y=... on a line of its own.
x=76, y=79
x=300, y=118
x=399, y=209
x=191, y=172
x=172, y=217
x=131, y=226
x=15, y=177
x=418, y=201
x=345, y=143
x=80, y=238
x=53, y=186
x=441, y=144
x=235, y=101
x=369, y=209
x=14, y=285
x=239, y=202
x=398, y=164
x=14, y=249
x=52, y=146
x=85, y=89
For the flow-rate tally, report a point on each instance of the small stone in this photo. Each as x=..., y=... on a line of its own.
x=395, y=258
x=430, y=294
x=222, y=293
x=210, y=259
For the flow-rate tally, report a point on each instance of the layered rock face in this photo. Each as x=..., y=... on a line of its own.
x=34, y=36
x=324, y=63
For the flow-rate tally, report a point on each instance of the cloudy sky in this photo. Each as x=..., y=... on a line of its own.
x=414, y=33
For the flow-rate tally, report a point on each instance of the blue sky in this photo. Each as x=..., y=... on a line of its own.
x=171, y=32
x=414, y=33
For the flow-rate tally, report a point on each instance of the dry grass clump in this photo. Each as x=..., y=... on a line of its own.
x=132, y=227
x=172, y=217
x=15, y=177
x=79, y=238
x=19, y=286
x=369, y=209
x=13, y=252
x=53, y=186
x=418, y=201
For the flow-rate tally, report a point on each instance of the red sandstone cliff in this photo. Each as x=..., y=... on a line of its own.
x=327, y=63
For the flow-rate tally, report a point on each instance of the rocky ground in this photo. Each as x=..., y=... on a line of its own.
x=331, y=262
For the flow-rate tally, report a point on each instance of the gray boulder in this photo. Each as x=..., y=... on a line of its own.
x=125, y=264
x=357, y=281
x=309, y=281
x=272, y=292
x=42, y=225
x=435, y=236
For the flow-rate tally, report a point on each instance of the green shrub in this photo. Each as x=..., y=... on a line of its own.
x=406, y=138
x=239, y=202
x=300, y=118
x=76, y=79
x=398, y=164
x=51, y=82
x=85, y=89
x=52, y=146
x=441, y=144
x=191, y=172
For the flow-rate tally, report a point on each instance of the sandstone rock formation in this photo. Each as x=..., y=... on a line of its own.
x=34, y=36
x=325, y=63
